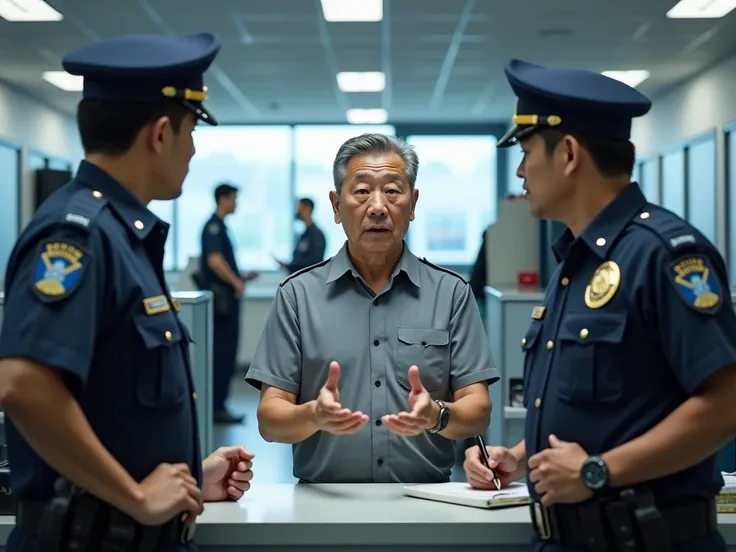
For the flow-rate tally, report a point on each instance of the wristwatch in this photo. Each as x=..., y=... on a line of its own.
x=444, y=418
x=594, y=474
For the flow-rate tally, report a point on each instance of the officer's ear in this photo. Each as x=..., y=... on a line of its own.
x=335, y=202
x=572, y=152
x=161, y=132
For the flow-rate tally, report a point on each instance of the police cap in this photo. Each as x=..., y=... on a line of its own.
x=571, y=101
x=147, y=68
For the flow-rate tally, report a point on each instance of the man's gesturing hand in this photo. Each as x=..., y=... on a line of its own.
x=424, y=413
x=329, y=414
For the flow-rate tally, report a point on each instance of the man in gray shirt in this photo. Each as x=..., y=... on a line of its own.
x=374, y=361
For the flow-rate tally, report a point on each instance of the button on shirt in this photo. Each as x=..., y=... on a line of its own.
x=657, y=323
x=85, y=294
x=423, y=316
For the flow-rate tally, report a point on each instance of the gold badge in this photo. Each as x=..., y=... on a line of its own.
x=538, y=312
x=603, y=285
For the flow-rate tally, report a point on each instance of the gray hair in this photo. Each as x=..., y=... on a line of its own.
x=374, y=143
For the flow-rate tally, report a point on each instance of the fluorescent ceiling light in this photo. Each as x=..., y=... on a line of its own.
x=701, y=9
x=352, y=10
x=28, y=10
x=361, y=82
x=63, y=80
x=367, y=116
x=632, y=78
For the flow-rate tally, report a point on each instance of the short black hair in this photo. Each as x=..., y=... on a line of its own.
x=308, y=202
x=110, y=128
x=612, y=158
x=224, y=190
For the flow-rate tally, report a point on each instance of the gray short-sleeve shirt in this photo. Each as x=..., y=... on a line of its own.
x=425, y=315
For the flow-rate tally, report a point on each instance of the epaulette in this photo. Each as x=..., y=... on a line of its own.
x=676, y=233
x=84, y=208
x=304, y=270
x=443, y=269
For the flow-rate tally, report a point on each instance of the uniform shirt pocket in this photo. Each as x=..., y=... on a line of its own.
x=429, y=350
x=160, y=378
x=588, y=356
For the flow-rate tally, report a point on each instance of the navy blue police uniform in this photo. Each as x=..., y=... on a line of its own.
x=309, y=249
x=226, y=316
x=635, y=317
x=85, y=294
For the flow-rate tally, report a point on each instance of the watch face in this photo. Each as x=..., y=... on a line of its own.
x=594, y=474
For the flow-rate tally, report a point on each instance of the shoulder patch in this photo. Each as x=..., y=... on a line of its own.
x=696, y=283
x=59, y=269
x=443, y=269
x=676, y=233
x=303, y=270
x=84, y=207
x=213, y=228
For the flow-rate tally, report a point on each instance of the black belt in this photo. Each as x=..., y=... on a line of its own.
x=580, y=525
x=29, y=514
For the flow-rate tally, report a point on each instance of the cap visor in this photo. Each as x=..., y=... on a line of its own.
x=201, y=112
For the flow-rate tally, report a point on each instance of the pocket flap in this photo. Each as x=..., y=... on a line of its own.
x=158, y=330
x=601, y=327
x=531, y=335
x=423, y=336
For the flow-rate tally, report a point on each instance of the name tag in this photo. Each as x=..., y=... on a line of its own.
x=538, y=312
x=156, y=305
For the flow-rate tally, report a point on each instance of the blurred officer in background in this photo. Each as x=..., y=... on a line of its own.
x=630, y=362
x=95, y=374
x=219, y=273
x=311, y=245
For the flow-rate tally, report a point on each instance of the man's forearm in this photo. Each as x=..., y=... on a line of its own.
x=52, y=422
x=691, y=433
x=519, y=452
x=280, y=421
x=469, y=416
x=225, y=273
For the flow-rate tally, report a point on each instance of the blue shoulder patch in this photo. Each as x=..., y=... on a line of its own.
x=59, y=268
x=84, y=207
x=696, y=283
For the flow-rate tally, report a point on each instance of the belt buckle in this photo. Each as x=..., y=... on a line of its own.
x=188, y=530
x=541, y=521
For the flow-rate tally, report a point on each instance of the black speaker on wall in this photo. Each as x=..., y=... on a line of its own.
x=47, y=182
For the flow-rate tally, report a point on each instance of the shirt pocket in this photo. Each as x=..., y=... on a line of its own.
x=160, y=373
x=589, y=357
x=429, y=350
x=528, y=347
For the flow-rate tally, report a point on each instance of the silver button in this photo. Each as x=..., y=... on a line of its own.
x=600, y=242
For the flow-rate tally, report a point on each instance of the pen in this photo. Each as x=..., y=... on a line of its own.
x=486, y=459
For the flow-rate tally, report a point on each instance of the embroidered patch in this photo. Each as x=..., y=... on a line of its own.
x=58, y=271
x=695, y=283
x=603, y=285
x=213, y=228
x=156, y=305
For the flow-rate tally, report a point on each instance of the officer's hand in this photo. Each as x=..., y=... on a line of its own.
x=555, y=473
x=500, y=459
x=252, y=275
x=239, y=289
x=226, y=474
x=329, y=414
x=424, y=414
x=169, y=491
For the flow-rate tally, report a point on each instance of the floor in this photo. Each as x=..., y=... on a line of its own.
x=272, y=463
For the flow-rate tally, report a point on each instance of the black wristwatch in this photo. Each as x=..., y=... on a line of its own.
x=594, y=474
x=444, y=418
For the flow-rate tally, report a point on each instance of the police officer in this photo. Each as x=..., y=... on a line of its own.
x=373, y=362
x=311, y=245
x=95, y=375
x=220, y=274
x=630, y=362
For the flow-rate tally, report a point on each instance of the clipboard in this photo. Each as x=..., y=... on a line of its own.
x=463, y=494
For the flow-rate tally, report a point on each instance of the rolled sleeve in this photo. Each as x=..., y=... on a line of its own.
x=59, y=330
x=277, y=360
x=471, y=360
x=697, y=330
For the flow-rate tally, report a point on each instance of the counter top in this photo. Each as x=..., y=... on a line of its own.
x=511, y=293
x=351, y=515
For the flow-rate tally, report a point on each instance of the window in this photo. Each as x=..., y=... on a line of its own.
x=646, y=178
x=673, y=182
x=457, y=197
x=701, y=182
x=315, y=148
x=35, y=161
x=9, y=188
x=256, y=159
x=514, y=155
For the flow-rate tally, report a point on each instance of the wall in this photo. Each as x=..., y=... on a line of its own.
x=35, y=126
x=703, y=103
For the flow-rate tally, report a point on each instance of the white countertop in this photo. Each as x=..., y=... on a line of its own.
x=514, y=293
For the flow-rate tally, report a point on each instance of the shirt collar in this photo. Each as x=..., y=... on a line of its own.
x=136, y=216
x=606, y=227
x=341, y=264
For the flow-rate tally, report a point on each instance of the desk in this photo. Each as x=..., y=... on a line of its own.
x=360, y=518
